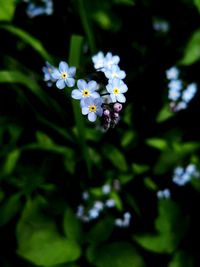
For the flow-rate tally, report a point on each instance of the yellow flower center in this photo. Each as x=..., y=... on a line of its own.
x=64, y=75
x=92, y=108
x=116, y=91
x=86, y=93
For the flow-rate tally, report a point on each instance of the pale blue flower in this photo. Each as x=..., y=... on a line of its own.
x=43, y=7
x=47, y=70
x=110, y=203
x=189, y=92
x=164, y=194
x=175, y=85
x=85, y=90
x=98, y=60
x=172, y=73
x=114, y=72
x=64, y=75
x=116, y=88
x=106, y=189
x=92, y=108
x=110, y=60
x=174, y=94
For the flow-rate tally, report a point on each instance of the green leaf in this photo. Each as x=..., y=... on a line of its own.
x=101, y=231
x=29, y=39
x=11, y=161
x=39, y=241
x=197, y=4
x=44, y=139
x=139, y=168
x=72, y=226
x=9, y=209
x=164, y=114
x=7, y=9
x=192, y=51
x=182, y=259
x=115, y=156
x=158, y=143
x=170, y=226
x=117, y=254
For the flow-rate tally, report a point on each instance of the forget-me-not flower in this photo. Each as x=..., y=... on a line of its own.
x=85, y=90
x=98, y=60
x=114, y=72
x=92, y=108
x=64, y=75
x=116, y=88
x=172, y=73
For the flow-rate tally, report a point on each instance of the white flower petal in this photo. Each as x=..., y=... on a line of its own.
x=56, y=74
x=121, y=98
x=70, y=82
x=85, y=110
x=92, y=116
x=63, y=66
x=76, y=94
x=60, y=84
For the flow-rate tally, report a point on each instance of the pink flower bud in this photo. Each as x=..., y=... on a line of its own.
x=117, y=107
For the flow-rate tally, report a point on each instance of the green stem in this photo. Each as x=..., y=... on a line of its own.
x=87, y=25
x=74, y=60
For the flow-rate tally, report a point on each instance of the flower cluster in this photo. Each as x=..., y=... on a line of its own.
x=182, y=175
x=96, y=100
x=178, y=94
x=97, y=201
x=163, y=194
x=37, y=8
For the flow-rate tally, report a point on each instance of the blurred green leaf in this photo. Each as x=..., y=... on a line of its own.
x=197, y=4
x=128, y=138
x=117, y=254
x=11, y=161
x=192, y=50
x=139, y=168
x=170, y=226
x=29, y=39
x=72, y=226
x=164, y=114
x=182, y=259
x=100, y=231
x=158, y=143
x=44, y=139
x=149, y=183
x=124, y=2
x=7, y=9
x=9, y=209
x=115, y=156
x=39, y=241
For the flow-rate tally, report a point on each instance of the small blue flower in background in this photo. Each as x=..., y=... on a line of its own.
x=42, y=7
x=125, y=221
x=85, y=90
x=48, y=69
x=172, y=73
x=189, y=92
x=64, y=75
x=182, y=176
x=177, y=94
x=92, y=108
x=164, y=193
x=116, y=88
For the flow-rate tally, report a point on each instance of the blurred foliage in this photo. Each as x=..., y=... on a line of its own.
x=50, y=154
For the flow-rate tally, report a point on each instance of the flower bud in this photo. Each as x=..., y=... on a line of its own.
x=117, y=107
